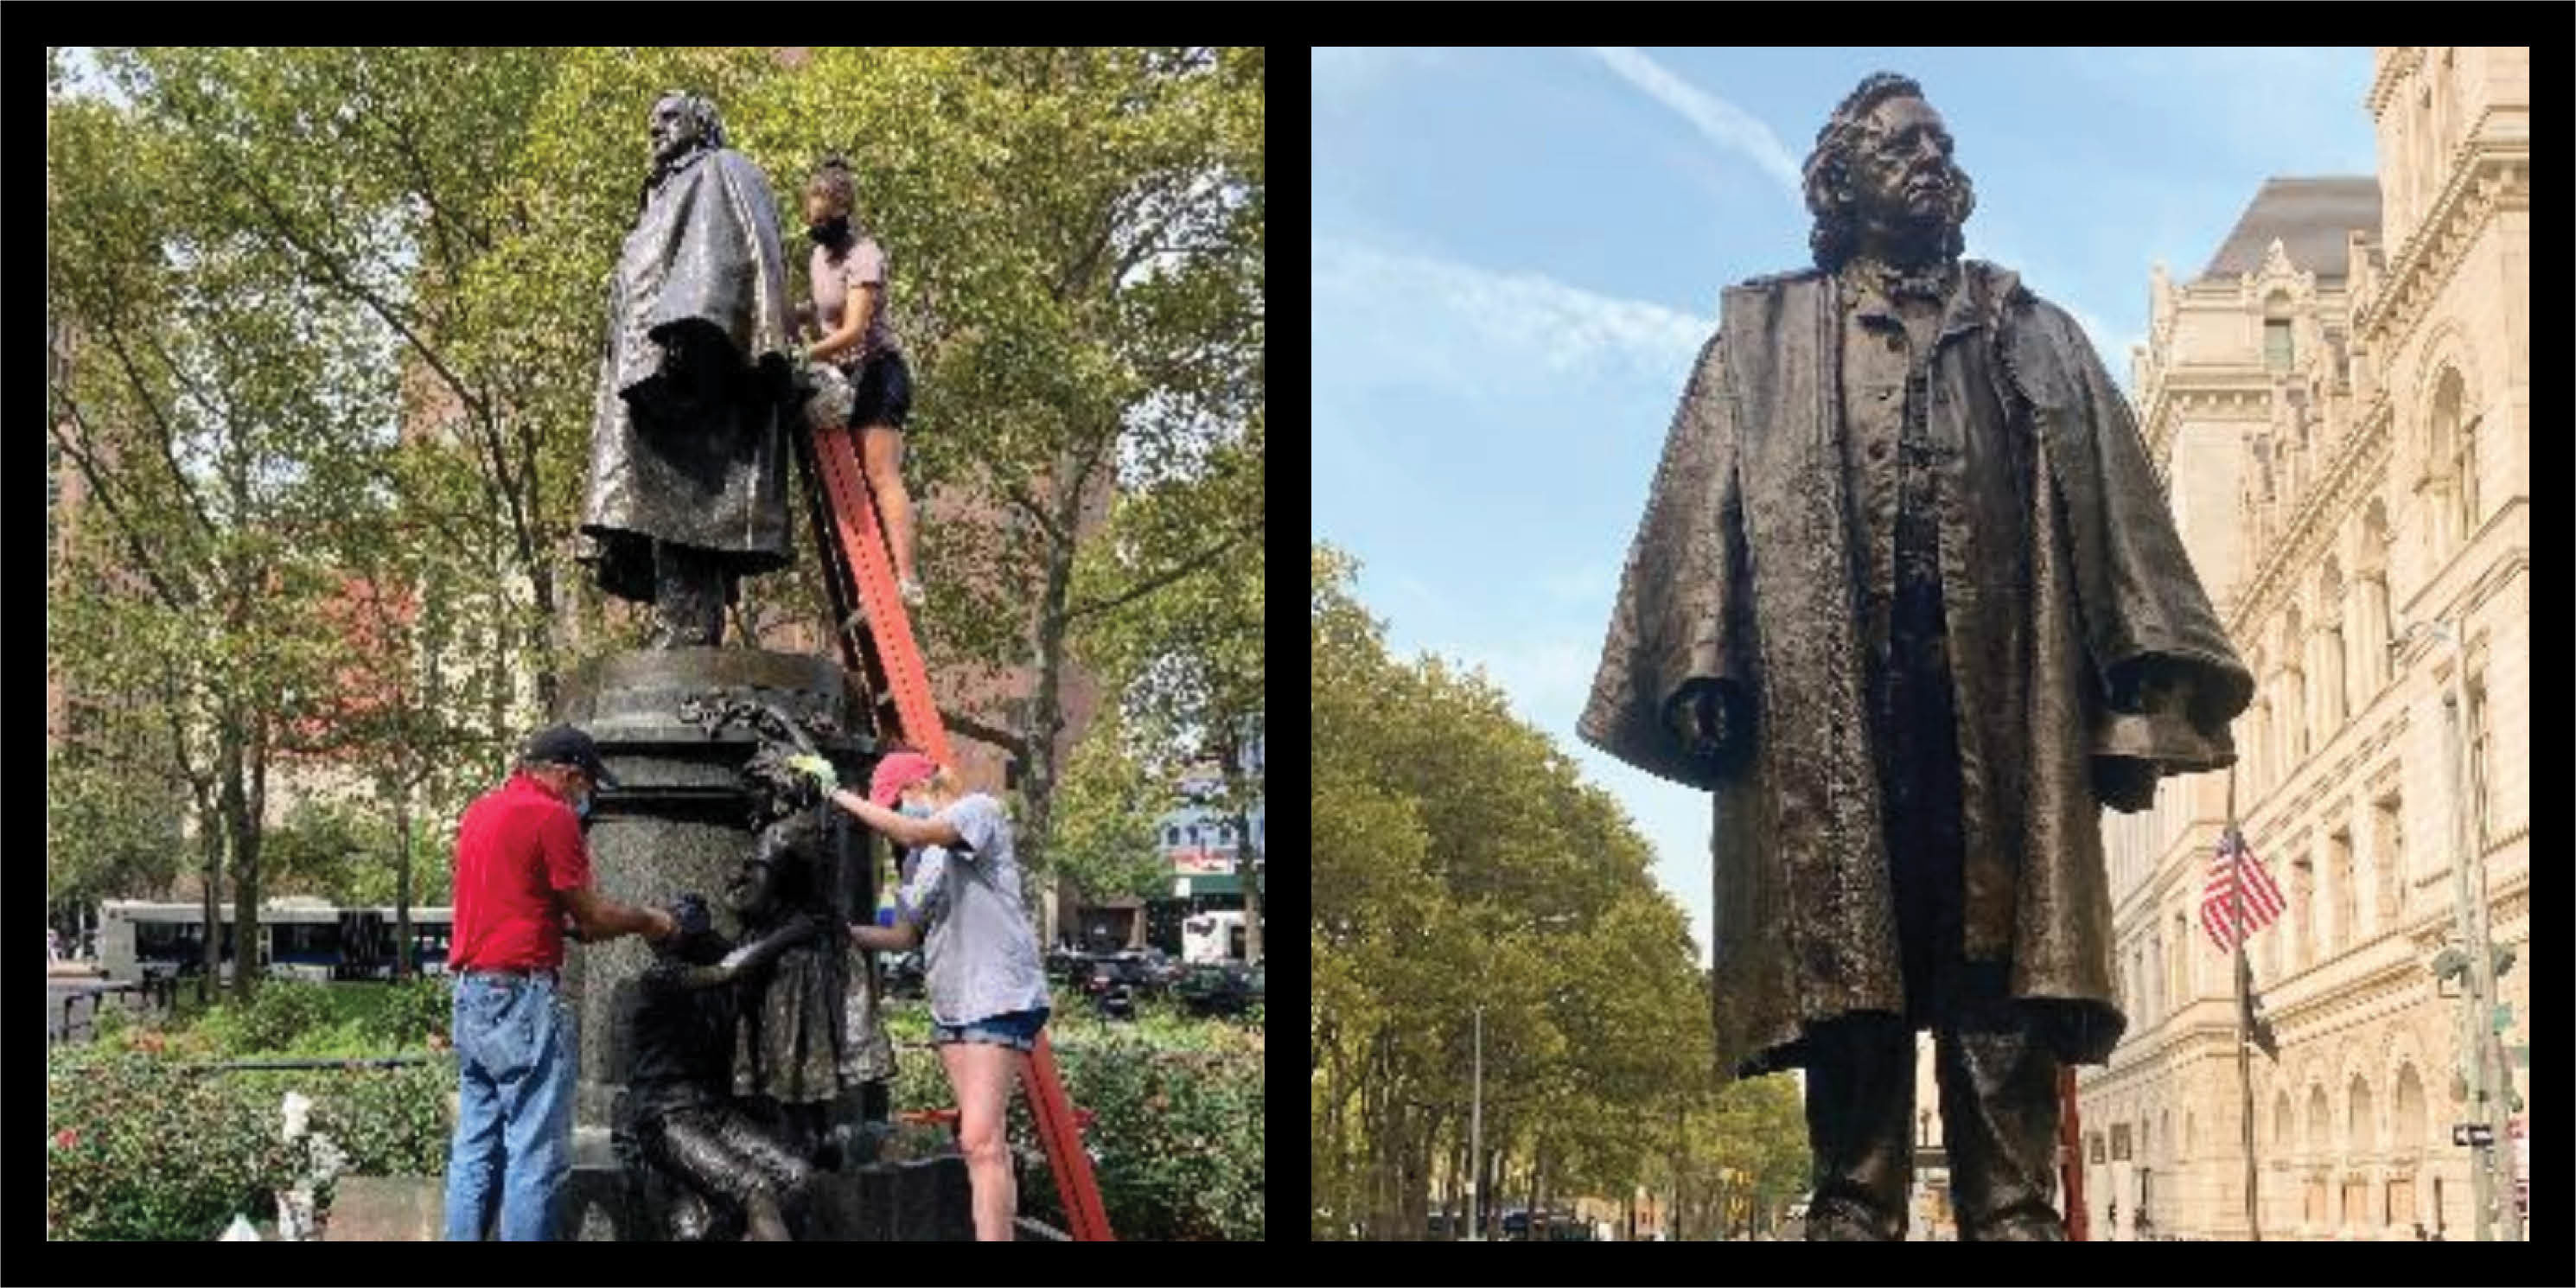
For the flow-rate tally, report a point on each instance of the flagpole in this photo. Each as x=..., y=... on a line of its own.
x=2244, y=971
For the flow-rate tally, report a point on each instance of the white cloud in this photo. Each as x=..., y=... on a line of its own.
x=1725, y=124
x=1437, y=321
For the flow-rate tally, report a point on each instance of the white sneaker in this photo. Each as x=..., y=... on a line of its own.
x=912, y=596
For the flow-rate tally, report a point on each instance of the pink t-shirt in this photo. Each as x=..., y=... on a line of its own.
x=834, y=277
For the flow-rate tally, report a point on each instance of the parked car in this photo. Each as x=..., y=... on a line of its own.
x=1152, y=969
x=1068, y=965
x=1228, y=989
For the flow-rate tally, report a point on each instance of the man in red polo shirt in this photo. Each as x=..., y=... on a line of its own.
x=522, y=880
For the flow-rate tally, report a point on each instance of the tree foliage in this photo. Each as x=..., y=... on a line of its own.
x=1461, y=864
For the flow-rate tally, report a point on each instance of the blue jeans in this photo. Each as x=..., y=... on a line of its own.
x=515, y=1071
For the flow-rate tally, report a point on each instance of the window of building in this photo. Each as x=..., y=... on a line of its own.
x=2303, y=906
x=2452, y=458
x=2339, y=887
x=2388, y=856
x=2276, y=344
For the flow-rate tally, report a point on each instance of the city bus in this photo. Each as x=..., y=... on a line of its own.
x=298, y=938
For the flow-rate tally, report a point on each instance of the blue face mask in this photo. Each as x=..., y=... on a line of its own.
x=581, y=807
x=911, y=809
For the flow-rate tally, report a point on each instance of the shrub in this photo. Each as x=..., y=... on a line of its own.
x=408, y=1013
x=138, y=1149
x=281, y=1011
x=1176, y=1134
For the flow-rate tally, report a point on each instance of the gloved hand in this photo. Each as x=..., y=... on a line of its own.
x=690, y=911
x=817, y=768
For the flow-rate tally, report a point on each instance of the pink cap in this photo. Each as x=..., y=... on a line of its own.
x=896, y=772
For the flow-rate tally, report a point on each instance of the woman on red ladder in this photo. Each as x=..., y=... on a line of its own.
x=849, y=283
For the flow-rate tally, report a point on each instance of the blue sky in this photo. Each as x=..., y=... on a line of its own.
x=1517, y=253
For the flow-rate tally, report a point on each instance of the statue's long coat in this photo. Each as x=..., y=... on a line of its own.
x=2060, y=572
x=704, y=255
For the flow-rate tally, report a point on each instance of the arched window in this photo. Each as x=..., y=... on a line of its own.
x=2388, y=856
x=2339, y=890
x=2320, y=1139
x=2375, y=628
x=2410, y=1123
x=2294, y=683
x=2361, y=1126
x=2182, y=985
x=2331, y=697
x=2285, y=1140
x=2303, y=903
x=2452, y=458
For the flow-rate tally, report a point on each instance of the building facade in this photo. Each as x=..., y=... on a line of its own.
x=2340, y=407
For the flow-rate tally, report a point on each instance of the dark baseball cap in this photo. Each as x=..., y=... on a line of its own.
x=565, y=745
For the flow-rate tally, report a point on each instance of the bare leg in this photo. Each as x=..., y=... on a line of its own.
x=882, y=447
x=981, y=1073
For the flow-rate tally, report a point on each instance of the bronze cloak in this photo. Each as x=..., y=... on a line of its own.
x=672, y=464
x=2061, y=573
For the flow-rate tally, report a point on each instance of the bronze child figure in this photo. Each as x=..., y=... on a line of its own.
x=678, y=1112
x=1908, y=601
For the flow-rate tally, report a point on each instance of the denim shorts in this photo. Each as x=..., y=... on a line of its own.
x=1017, y=1030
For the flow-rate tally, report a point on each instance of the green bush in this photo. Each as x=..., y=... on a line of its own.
x=408, y=1013
x=138, y=1149
x=1176, y=1134
x=142, y=1148
x=283, y=1010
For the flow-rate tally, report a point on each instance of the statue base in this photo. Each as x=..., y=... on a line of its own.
x=882, y=1202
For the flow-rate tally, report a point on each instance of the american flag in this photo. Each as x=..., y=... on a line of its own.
x=2262, y=898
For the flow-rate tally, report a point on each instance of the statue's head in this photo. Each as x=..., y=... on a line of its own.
x=682, y=122
x=753, y=893
x=1882, y=175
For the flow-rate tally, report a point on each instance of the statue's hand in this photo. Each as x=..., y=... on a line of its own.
x=1699, y=719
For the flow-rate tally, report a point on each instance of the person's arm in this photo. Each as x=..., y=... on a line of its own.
x=854, y=324
x=865, y=268
x=902, y=829
x=901, y=937
x=590, y=916
x=596, y=917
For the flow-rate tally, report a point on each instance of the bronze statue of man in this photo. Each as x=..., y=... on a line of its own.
x=688, y=462
x=1908, y=600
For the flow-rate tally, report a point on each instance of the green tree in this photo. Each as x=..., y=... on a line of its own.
x=1459, y=864
x=202, y=391
x=1112, y=794
x=1185, y=653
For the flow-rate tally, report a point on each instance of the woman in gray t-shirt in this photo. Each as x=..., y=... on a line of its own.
x=848, y=276
x=961, y=903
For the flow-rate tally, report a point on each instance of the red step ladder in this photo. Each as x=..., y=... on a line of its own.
x=876, y=642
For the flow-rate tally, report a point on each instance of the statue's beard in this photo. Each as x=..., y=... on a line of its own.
x=1926, y=240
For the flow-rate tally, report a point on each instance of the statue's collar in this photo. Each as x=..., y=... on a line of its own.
x=686, y=159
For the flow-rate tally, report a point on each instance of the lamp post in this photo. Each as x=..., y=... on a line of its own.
x=2489, y=1078
x=1476, y=1137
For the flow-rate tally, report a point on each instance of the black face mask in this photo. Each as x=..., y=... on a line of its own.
x=832, y=232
